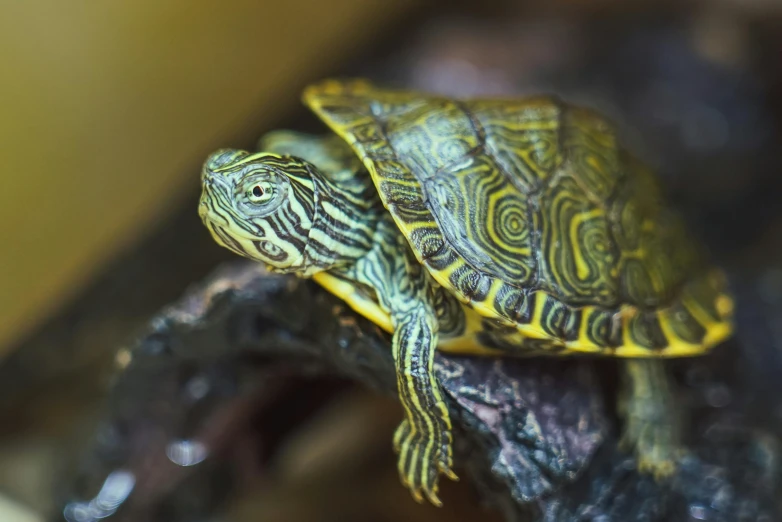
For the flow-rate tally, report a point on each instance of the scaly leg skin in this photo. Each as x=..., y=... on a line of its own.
x=423, y=440
x=651, y=417
x=403, y=288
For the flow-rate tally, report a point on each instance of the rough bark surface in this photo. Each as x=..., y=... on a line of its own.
x=536, y=437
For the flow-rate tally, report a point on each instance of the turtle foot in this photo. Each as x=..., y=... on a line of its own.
x=422, y=459
x=653, y=439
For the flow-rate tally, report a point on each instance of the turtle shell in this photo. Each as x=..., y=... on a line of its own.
x=530, y=212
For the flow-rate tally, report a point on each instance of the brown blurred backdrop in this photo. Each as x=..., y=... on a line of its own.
x=107, y=108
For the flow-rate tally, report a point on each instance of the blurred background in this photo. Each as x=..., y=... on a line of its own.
x=109, y=108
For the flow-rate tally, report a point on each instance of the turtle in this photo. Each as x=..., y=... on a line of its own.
x=480, y=226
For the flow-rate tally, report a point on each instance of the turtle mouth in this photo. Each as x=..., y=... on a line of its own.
x=209, y=215
x=211, y=204
x=203, y=209
x=225, y=230
x=224, y=238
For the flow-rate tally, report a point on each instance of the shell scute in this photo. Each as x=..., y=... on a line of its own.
x=523, y=138
x=578, y=255
x=481, y=216
x=590, y=145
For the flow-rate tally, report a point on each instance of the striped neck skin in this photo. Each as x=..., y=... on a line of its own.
x=283, y=212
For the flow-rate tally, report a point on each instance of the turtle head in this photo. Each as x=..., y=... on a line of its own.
x=260, y=206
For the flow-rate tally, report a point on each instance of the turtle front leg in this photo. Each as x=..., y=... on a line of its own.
x=405, y=291
x=651, y=417
x=423, y=440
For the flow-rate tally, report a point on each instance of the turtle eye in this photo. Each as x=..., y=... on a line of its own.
x=259, y=193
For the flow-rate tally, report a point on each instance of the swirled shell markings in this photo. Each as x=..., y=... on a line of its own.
x=529, y=211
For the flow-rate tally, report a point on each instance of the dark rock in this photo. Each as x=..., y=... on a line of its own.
x=533, y=435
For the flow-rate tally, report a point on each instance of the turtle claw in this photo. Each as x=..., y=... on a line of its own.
x=654, y=455
x=433, y=498
x=659, y=469
x=421, y=461
x=450, y=474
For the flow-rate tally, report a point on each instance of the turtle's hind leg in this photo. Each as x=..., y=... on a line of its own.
x=651, y=417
